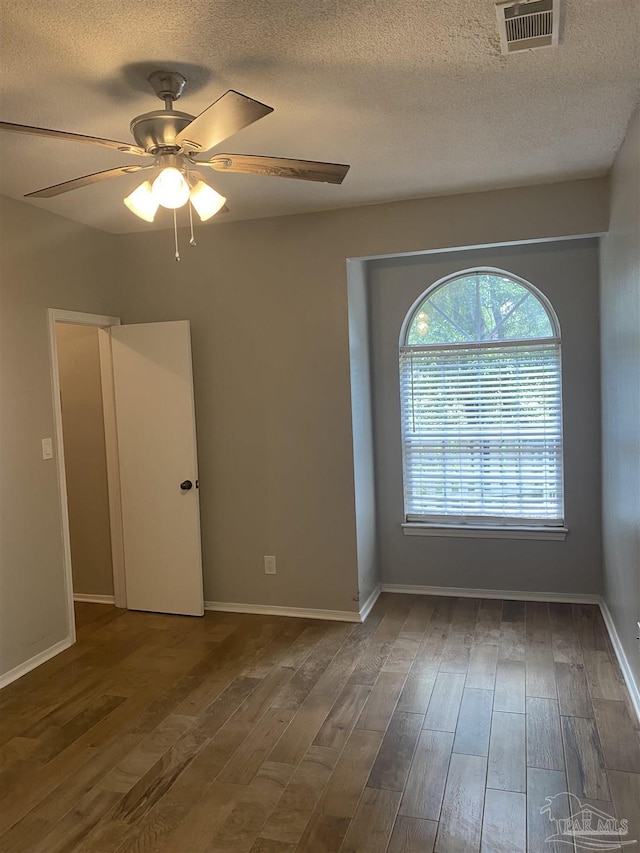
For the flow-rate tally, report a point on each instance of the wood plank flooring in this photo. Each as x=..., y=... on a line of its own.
x=441, y=725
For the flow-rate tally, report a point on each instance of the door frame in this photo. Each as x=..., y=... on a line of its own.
x=102, y=322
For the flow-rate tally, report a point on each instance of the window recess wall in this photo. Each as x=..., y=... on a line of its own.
x=567, y=274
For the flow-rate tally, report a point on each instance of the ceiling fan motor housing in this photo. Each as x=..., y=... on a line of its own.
x=157, y=130
x=167, y=84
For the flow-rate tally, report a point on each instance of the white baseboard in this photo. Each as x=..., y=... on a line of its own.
x=366, y=607
x=509, y=594
x=36, y=660
x=94, y=599
x=273, y=610
x=632, y=687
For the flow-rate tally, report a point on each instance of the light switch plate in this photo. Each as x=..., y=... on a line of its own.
x=47, y=448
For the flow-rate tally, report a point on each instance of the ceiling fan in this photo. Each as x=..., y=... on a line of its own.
x=173, y=140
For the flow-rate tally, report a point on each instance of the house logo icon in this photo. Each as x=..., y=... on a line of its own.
x=587, y=827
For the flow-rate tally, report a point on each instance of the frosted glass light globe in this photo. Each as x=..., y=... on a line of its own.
x=142, y=202
x=170, y=188
x=206, y=200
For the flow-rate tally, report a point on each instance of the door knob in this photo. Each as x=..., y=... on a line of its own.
x=186, y=485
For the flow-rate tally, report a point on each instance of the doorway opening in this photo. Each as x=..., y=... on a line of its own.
x=148, y=448
x=87, y=457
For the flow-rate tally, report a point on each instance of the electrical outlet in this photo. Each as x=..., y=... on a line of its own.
x=269, y=565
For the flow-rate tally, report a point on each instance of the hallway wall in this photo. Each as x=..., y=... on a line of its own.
x=85, y=458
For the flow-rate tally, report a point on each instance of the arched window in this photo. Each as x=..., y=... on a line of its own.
x=481, y=400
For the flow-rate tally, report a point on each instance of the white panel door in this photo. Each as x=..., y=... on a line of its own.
x=158, y=460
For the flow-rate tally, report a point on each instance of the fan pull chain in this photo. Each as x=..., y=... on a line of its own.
x=192, y=241
x=175, y=231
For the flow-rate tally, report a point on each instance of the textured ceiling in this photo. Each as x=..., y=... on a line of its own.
x=414, y=94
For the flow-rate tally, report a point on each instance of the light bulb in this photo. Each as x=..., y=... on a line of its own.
x=142, y=202
x=206, y=200
x=170, y=188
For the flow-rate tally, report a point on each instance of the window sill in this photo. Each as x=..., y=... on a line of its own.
x=484, y=531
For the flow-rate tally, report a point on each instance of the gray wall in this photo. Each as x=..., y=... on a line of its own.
x=267, y=301
x=45, y=262
x=85, y=458
x=567, y=273
x=620, y=307
x=268, y=305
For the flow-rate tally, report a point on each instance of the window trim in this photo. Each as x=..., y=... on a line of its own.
x=484, y=531
x=493, y=529
x=516, y=342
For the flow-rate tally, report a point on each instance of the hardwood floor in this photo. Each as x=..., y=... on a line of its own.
x=438, y=726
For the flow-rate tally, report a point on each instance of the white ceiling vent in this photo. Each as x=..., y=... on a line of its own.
x=528, y=24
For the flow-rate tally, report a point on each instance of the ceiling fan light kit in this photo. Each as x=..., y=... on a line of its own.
x=173, y=139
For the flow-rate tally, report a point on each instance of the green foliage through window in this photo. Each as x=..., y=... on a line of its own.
x=478, y=307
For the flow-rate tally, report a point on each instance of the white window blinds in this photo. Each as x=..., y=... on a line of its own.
x=482, y=432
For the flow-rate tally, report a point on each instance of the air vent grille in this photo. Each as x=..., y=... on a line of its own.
x=527, y=25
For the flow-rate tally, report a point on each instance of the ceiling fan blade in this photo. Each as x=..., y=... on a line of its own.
x=222, y=119
x=85, y=181
x=125, y=147
x=279, y=167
